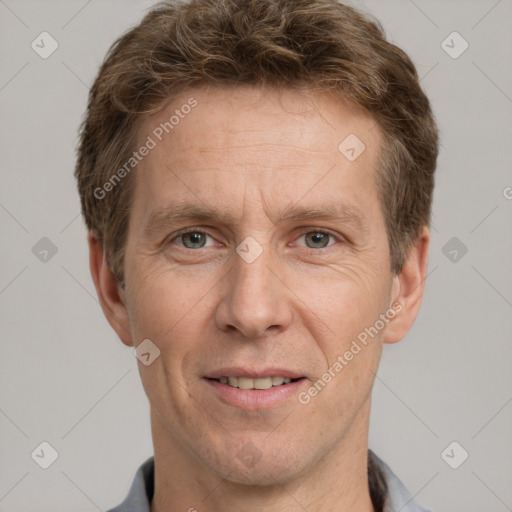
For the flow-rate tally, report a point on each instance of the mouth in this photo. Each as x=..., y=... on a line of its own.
x=256, y=383
x=267, y=388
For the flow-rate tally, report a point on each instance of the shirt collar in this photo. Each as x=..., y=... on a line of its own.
x=398, y=498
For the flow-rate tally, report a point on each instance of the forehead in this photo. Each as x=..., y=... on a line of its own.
x=237, y=146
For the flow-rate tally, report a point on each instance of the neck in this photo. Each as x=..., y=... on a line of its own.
x=338, y=481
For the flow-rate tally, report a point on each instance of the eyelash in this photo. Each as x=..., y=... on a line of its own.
x=195, y=230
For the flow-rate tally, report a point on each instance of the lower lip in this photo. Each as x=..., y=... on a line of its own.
x=252, y=399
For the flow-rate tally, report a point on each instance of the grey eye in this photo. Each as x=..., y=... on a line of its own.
x=317, y=239
x=193, y=240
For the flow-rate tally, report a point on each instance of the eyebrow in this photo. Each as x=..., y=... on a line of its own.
x=163, y=218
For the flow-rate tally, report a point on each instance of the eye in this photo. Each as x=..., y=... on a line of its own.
x=317, y=239
x=196, y=239
x=192, y=239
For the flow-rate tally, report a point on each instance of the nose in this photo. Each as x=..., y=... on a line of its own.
x=255, y=300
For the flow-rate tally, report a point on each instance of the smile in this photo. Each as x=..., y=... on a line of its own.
x=258, y=383
x=266, y=388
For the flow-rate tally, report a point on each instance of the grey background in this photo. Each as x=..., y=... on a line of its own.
x=67, y=380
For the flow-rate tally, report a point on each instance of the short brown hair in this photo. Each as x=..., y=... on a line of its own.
x=285, y=44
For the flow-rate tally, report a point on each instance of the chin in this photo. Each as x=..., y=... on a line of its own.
x=265, y=474
x=275, y=464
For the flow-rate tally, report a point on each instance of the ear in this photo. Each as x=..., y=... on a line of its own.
x=110, y=295
x=407, y=289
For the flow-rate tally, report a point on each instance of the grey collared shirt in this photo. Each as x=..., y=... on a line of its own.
x=142, y=489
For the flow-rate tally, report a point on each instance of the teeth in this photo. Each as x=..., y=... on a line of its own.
x=258, y=383
x=263, y=383
x=245, y=383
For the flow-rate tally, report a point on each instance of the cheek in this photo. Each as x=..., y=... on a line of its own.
x=351, y=351
x=341, y=307
x=162, y=303
x=168, y=310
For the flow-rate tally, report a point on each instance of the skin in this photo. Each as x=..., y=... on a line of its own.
x=250, y=154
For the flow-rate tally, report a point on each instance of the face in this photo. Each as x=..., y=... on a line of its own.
x=257, y=252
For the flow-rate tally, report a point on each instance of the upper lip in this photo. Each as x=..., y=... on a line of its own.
x=253, y=374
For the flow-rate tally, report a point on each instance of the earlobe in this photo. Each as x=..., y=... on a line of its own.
x=408, y=287
x=110, y=296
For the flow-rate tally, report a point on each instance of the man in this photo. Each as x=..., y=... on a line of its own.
x=256, y=177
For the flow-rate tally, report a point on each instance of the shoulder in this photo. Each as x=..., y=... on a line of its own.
x=397, y=497
x=141, y=491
